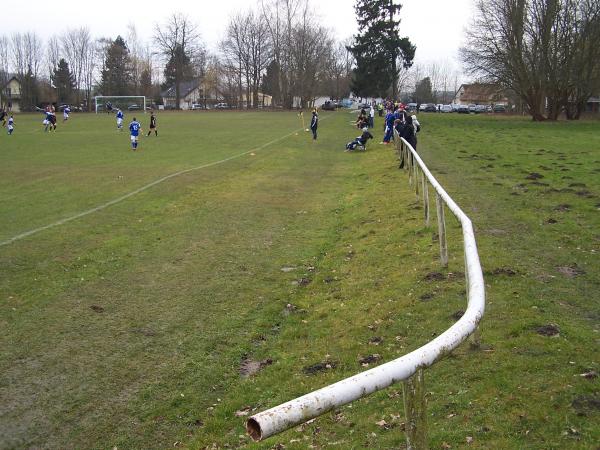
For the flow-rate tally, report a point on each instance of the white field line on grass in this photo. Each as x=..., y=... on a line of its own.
x=137, y=191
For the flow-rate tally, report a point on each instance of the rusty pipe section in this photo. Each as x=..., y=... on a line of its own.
x=302, y=409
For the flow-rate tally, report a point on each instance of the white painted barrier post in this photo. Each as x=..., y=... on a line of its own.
x=415, y=409
x=441, y=230
x=425, y=191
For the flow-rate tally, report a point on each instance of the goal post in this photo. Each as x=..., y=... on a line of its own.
x=123, y=102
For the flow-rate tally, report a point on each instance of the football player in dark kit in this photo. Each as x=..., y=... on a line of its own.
x=314, y=123
x=152, y=125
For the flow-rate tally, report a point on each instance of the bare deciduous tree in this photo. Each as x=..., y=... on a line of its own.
x=544, y=50
x=247, y=49
x=78, y=50
x=178, y=40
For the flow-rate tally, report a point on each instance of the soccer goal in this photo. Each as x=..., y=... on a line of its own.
x=108, y=103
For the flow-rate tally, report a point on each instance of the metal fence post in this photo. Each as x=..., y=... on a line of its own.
x=415, y=408
x=425, y=190
x=416, y=176
x=441, y=230
x=410, y=167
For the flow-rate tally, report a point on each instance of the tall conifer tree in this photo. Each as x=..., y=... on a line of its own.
x=116, y=75
x=379, y=50
x=63, y=81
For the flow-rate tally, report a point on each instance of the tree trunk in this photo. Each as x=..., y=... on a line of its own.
x=554, y=108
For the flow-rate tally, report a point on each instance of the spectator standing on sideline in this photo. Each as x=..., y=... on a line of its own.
x=371, y=117
x=416, y=123
x=380, y=109
x=3, y=117
x=314, y=123
x=389, y=126
x=409, y=133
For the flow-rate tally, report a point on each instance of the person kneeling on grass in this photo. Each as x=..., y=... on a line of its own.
x=134, y=129
x=360, y=141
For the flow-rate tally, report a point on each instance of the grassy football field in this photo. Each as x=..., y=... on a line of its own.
x=231, y=264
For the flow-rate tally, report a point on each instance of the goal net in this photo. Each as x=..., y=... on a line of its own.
x=107, y=103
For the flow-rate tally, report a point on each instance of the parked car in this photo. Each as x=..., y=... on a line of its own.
x=133, y=107
x=463, y=109
x=328, y=106
x=221, y=106
x=411, y=106
x=446, y=108
x=430, y=108
x=196, y=106
x=499, y=109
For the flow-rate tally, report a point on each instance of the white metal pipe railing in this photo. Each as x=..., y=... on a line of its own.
x=302, y=409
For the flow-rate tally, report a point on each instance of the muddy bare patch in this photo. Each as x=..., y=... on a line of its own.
x=96, y=308
x=578, y=185
x=434, y=276
x=376, y=340
x=426, y=297
x=319, y=367
x=585, y=194
x=249, y=367
x=370, y=359
x=304, y=281
x=548, y=330
x=551, y=221
x=534, y=176
x=571, y=271
x=456, y=275
x=589, y=374
x=586, y=404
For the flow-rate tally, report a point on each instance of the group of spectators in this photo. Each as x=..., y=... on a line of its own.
x=396, y=118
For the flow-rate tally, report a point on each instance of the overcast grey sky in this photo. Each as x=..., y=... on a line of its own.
x=435, y=26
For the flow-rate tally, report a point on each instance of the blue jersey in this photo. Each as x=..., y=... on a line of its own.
x=134, y=128
x=48, y=115
x=389, y=119
x=120, y=115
